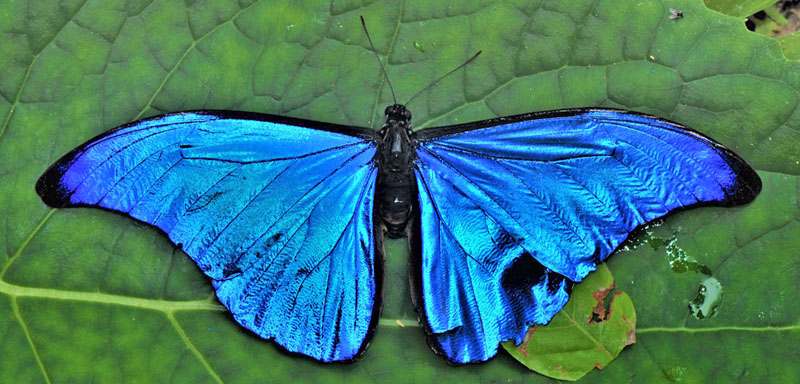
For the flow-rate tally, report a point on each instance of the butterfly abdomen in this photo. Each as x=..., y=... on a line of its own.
x=395, y=193
x=395, y=202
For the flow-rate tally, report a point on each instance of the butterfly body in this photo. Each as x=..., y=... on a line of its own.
x=286, y=216
x=396, y=197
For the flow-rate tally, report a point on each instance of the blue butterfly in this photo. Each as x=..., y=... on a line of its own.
x=287, y=216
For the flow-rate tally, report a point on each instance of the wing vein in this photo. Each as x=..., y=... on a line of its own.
x=581, y=185
x=630, y=172
x=113, y=155
x=301, y=197
x=131, y=171
x=455, y=148
x=257, y=281
x=123, y=131
x=146, y=191
x=327, y=255
x=445, y=162
x=278, y=158
x=450, y=231
x=692, y=159
x=330, y=262
x=472, y=287
x=247, y=205
x=190, y=208
x=659, y=164
x=549, y=207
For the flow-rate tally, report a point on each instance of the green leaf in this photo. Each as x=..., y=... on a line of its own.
x=791, y=45
x=591, y=330
x=739, y=8
x=90, y=295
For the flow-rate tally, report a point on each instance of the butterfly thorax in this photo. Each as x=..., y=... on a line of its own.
x=395, y=174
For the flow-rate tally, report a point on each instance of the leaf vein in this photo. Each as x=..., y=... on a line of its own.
x=25, y=330
x=192, y=348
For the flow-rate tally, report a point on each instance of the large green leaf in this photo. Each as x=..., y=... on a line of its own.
x=89, y=295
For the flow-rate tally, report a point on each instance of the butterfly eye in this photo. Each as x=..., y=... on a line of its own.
x=407, y=114
x=388, y=110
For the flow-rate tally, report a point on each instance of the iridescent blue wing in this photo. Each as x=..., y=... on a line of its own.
x=515, y=209
x=278, y=212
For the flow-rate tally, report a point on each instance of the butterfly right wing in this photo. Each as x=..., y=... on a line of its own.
x=512, y=207
x=278, y=214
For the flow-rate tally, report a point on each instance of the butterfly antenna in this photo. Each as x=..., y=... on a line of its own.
x=442, y=77
x=364, y=24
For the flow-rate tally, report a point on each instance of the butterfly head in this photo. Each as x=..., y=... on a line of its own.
x=398, y=112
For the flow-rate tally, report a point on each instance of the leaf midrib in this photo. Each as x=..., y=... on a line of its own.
x=14, y=290
x=169, y=306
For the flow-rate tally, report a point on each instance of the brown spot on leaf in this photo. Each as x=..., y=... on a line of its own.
x=599, y=311
x=628, y=323
x=598, y=366
x=631, y=337
x=528, y=336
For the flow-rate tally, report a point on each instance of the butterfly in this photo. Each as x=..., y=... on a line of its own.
x=287, y=216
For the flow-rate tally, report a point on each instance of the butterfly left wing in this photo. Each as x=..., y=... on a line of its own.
x=515, y=209
x=278, y=212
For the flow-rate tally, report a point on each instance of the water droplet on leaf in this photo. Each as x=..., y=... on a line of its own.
x=708, y=299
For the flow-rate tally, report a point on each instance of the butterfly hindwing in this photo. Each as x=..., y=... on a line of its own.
x=512, y=210
x=257, y=202
x=474, y=284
